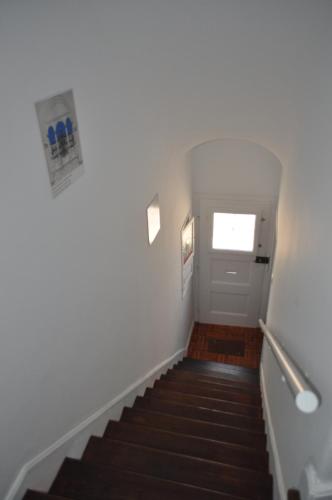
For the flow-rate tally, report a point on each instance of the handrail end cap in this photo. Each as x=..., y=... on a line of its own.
x=307, y=401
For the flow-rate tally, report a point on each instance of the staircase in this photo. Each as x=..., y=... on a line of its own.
x=197, y=435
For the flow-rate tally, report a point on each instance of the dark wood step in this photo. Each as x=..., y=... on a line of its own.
x=215, y=366
x=214, y=416
x=293, y=495
x=244, y=396
x=38, y=495
x=219, y=381
x=196, y=389
x=250, y=375
x=224, y=376
x=199, y=428
x=180, y=468
x=253, y=464
x=87, y=481
x=206, y=402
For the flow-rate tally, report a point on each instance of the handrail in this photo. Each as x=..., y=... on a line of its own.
x=306, y=397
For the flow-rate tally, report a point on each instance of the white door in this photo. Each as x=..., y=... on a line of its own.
x=233, y=236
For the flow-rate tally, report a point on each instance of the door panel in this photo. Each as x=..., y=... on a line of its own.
x=223, y=303
x=230, y=282
x=229, y=270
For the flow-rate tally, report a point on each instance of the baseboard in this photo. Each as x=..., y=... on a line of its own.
x=275, y=463
x=39, y=472
x=312, y=486
x=191, y=329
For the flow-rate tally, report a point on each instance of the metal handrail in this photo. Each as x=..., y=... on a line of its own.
x=305, y=395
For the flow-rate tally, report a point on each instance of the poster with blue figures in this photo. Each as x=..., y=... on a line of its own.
x=61, y=142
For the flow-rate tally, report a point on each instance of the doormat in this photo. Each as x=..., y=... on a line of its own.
x=228, y=347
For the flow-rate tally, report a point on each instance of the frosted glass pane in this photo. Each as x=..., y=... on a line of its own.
x=233, y=231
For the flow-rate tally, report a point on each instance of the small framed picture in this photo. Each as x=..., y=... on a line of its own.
x=153, y=217
x=187, y=252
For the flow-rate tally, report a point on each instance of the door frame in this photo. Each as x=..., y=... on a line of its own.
x=267, y=203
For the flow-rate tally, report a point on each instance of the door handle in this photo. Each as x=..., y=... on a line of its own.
x=231, y=272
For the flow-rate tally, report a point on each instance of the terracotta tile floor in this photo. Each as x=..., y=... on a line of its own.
x=248, y=340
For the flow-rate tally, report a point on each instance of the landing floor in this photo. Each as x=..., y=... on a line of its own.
x=234, y=345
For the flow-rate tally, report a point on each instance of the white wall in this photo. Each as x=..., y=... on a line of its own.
x=300, y=305
x=235, y=167
x=86, y=306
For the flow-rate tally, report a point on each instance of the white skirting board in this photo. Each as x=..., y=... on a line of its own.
x=39, y=472
x=312, y=487
x=280, y=490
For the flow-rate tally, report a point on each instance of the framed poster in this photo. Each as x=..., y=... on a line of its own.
x=187, y=252
x=61, y=142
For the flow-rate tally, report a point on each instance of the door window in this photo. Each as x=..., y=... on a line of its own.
x=234, y=232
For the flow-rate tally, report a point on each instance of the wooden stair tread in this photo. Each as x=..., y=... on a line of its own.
x=196, y=389
x=253, y=462
x=235, y=393
x=197, y=435
x=182, y=374
x=293, y=495
x=38, y=495
x=205, y=402
x=216, y=366
x=215, y=383
x=200, y=428
x=88, y=481
x=178, y=408
x=213, y=368
x=179, y=468
x=225, y=376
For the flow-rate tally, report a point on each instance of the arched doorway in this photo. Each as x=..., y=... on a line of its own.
x=235, y=196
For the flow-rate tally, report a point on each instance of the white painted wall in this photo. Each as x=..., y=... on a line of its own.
x=86, y=306
x=228, y=167
x=301, y=297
